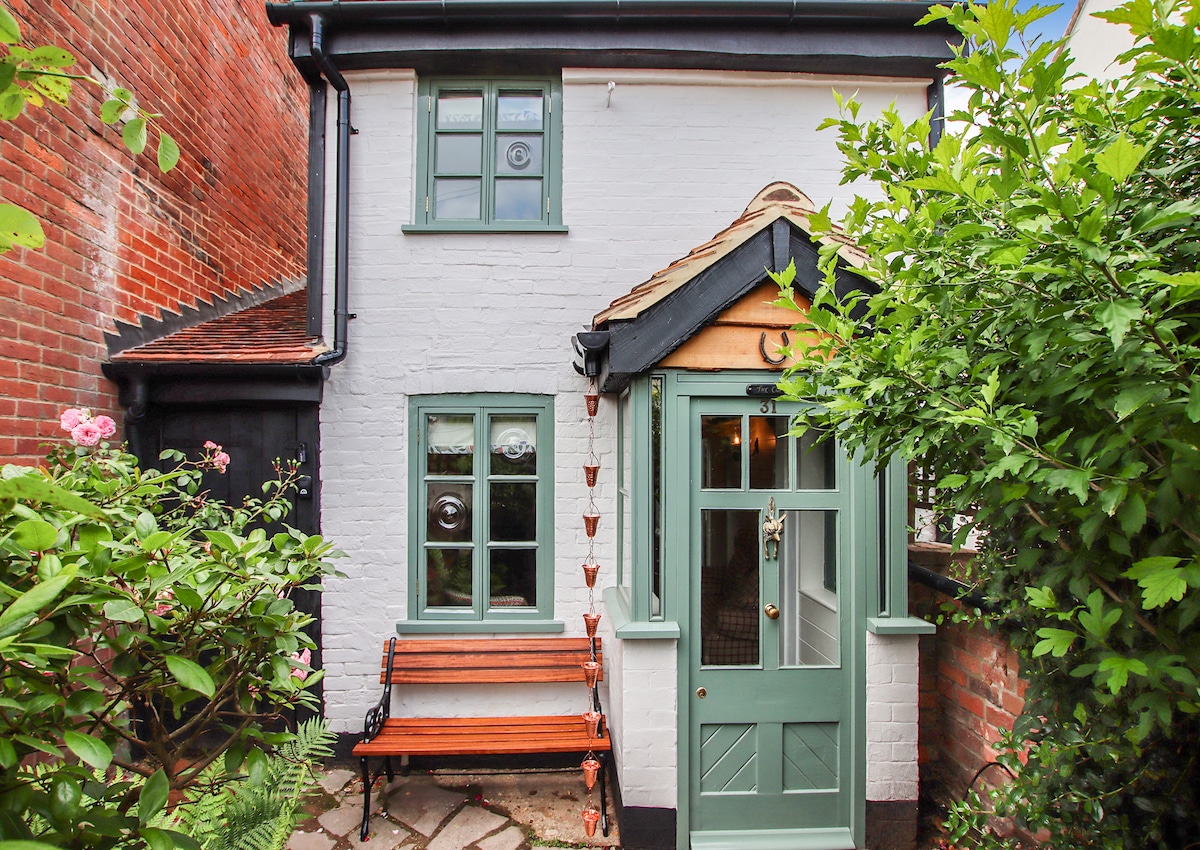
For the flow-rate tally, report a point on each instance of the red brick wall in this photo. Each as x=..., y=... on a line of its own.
x=122, y=240
x=969, y=687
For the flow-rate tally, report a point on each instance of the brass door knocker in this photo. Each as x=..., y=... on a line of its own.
x=772, y=529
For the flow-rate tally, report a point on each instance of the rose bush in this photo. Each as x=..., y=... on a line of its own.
x=146, y=634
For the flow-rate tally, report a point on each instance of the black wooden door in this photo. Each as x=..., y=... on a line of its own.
x=254, y=436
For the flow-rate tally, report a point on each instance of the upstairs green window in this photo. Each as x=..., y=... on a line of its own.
x=489, y=155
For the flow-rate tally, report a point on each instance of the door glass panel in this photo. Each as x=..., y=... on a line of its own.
x=729, y=585
x=460, y=111
x=513, y=579
x=721, y=452
x=808, y=589
x=769, y=453
x=815, y=467
x=448, y=578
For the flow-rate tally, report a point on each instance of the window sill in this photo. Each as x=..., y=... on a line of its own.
x=473, y=627
x=900, y=626
x=506, y=227
x=626, y=628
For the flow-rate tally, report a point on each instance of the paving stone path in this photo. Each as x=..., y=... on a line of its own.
x=421, y=813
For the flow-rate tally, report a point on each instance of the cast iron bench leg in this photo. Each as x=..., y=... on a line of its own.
x=366, y=775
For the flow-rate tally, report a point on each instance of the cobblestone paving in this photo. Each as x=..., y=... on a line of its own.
x=443, y=811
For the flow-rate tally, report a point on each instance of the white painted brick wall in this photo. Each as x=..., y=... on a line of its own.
x=674, y=159
x=892, y=717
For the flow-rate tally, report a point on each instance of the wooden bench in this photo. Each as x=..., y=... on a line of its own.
x=488, y=660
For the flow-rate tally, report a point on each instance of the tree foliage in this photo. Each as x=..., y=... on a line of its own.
x=31, y=76
x=148, y=639
x=1034, y=345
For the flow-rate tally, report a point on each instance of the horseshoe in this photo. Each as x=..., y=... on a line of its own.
x=762, y=348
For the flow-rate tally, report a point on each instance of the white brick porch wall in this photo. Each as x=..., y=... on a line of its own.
x=891, y=717
x=675, y=158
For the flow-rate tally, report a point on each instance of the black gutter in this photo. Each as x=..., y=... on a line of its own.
x=446, y=11
x=341, y=244
x=952, y=588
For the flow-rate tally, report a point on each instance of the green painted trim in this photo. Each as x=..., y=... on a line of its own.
x=480, y=405
x=900, y=626
x=501, y=227
x=551, y=204
x=626, y=628
x=774, y=839
x=473, y=627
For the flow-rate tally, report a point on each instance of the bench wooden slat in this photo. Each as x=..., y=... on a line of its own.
x=519, y=660
x=482, y=735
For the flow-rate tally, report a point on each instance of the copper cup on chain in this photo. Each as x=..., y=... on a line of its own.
x=590, y=472
x=591, y=672
x=591, y=817
x=591, y=723
x=590, y=622
x=590, y=523
x=589, y=574
x=593, y=401
x=591, y=769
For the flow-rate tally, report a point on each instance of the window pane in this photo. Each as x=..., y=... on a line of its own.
x=768, y=452
x=808, y=599
x=729, y=583
x=513, y=446
x=459, y=153
x=519, y=200
x=514, y=511
x=816, y=465
x=448, y=577
x=518, y=154
x=721, y=448
x=460, y=111
x=451, y=444
x=449, y=512
x=456, y=198
x=513, y=578
x=519, y=111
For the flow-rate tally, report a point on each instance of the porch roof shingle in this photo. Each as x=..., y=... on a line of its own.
x=777, y=200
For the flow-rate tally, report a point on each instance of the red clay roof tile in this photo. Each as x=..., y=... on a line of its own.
x=272, y=332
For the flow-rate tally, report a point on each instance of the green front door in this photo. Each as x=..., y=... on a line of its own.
x=771, y=654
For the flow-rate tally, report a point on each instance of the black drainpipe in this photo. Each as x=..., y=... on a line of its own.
x=341, y=245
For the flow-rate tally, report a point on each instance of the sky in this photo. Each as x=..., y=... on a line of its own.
x=1052, y=26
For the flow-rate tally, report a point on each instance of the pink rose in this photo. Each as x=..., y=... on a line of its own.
x=220, y=461
x=71, y=417
x=106, y=425
x=85, y=434
x=209, y=444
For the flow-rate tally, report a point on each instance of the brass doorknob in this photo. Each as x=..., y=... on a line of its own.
x=702, y=692
x=771, y=611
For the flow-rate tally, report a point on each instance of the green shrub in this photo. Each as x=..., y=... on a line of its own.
x=146, y=628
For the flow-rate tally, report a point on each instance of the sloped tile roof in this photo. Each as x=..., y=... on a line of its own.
x=778, y=200
x=271, y=332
